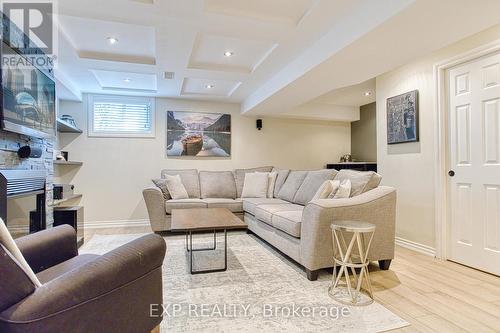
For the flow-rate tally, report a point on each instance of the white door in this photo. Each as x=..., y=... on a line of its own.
x=474, y=159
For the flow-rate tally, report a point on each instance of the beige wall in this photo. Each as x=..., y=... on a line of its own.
x=364, y=134
x=410, y=167
x=116, y=170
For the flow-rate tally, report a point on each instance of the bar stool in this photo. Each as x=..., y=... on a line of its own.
x=351, y=256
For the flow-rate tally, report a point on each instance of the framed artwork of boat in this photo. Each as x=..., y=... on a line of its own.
x=198, y=134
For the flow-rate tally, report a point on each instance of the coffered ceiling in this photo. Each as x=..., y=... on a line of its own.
x=265, y=54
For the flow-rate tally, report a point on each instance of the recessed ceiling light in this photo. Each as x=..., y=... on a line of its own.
x=228, y=54
x=209, y=86
x=112, y=40
x=127, y=80
x=368, y=93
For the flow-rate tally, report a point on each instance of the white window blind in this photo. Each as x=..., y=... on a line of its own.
x=121, y=116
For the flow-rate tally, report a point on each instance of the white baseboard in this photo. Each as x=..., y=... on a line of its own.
x=424, y=249
x=117, y=224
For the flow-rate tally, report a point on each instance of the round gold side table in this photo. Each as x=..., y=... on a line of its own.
x=347, y=285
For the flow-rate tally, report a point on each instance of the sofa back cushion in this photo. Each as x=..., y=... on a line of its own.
x=291, y=185
x=217, y=184
x=312, y=182
x=239, y=176
x=362, y=181
x=15, y=284
x=280, y=180
x=189, y=179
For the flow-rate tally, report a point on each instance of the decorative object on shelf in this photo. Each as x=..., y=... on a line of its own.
x=65, y=127
x=346, y=158
x=29, y=152
x=60, y=156
x=402, y=118
x=63, y=191
x=198, y=134
x=69, y=119
x=65, y=155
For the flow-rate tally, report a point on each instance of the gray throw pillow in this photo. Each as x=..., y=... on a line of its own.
x=161, y=183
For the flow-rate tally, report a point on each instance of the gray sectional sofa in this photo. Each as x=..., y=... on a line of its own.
x=291, y=222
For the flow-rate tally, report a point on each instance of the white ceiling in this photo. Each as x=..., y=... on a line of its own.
x=290, y=58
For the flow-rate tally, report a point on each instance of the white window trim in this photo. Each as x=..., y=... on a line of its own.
x=116, y=98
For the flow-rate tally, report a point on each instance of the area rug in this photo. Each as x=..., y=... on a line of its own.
x=261, y=291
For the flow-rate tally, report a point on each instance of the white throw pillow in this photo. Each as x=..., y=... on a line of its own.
x=344, y=191
x=335, y=188
x=327, y=190
x=175, y=187
x=255, y=185
x=8, y=243
x=272, y=176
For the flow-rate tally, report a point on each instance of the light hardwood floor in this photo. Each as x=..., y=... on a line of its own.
x=433, y=295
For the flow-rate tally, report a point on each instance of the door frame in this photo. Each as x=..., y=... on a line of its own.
x=441, y=166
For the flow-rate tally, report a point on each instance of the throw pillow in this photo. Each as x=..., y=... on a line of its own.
x=272, y=176
x=255, y=185
x=327, y=190
x=362, y=181
x=161, y=183
x=18, y=285
x=335, y=188
x=344, y=191
x=8, y=243
x=175, y=187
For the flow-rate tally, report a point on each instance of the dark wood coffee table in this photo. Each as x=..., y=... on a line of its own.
x=201, y=220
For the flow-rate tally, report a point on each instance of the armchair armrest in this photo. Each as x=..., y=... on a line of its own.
x=49, y=247
x=377, y=206
x=155, y=204
x=113, y=292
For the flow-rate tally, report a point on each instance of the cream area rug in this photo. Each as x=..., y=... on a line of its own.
x=261, y=291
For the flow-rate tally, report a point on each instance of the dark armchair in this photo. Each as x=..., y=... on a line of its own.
x=82, y=293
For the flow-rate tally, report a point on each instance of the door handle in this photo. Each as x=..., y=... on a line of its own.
x=451, y=173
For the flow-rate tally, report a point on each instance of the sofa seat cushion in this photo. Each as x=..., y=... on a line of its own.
x=265, y=213
x=249, y=204
x=183, y=204
x=234, y=205
x=217, y=184
x=55, y=271
x=288, y=222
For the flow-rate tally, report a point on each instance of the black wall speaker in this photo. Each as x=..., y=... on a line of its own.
x=259, y=124
x=31, y=152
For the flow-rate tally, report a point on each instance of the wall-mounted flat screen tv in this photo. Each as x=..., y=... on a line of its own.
x=28, y=95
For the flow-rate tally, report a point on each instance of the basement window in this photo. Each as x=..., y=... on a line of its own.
x=121, y=116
